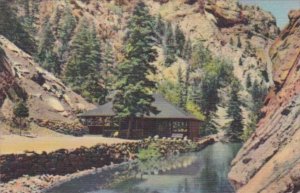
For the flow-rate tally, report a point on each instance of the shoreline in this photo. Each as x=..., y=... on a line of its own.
x=45, y=182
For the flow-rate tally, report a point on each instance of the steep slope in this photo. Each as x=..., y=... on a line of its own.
x=240, y=34
x=220, y=25
x=6, y=78
x=270, y=160
x=50, y=102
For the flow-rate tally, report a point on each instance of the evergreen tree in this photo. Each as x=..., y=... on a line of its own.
x=83, y=70
x=234, y=112
x=200, y=55
x=181, y=91
x=159, y=29
x=180, y=41
x=65, y=30
x=239, y=43
x=258, y=94
x=169, y=48
x=133, y=88
x=108, y=66
x=46, y=56
x=29, y=18
x=241, y=61
x=216, y=74
x=20, y=112
x=231, y=41
x=248, y=81
x=11, y=28
x=187, y=50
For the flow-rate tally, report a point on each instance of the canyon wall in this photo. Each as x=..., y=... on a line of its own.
x=270, y=160
x=50, y=102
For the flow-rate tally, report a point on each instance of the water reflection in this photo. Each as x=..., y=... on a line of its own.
x=203, y=172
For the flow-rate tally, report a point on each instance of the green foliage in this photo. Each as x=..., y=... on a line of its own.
x=194, y=109
x=170, y=47
x=248, y=81
x=187, y=50
x=159, y=29
x=258, y=94
x=172, y=41
x=20, y=112
x=216, y=74
x=241, y=61
x=28, y=19
x=181, y=90
x=46, y=56
x=83, y=70
x=66, y=28
x=250, y=127
x=234, y=112
x=152, y=152
x=11, y=28
x=108, y=66
x=133, y=88
x=239, y=43
x=170, y=91
x=180, y=41
x=200, y=55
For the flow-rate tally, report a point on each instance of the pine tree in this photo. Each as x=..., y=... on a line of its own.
x=181, y=87
x=83, y=70
x=187, y=50
x=231, y=41
x=159, y=29
x=234, y=112
x=216, y=74
x=200, y=55
x=258, y=94
x=180, y=41
x=46, y=56
x=108, y=66
x=169, y=48
x=248, y=81
x=11, y=28
x=241, y=61
x=20, y=112
x=239, y=43
x=65, y=30
x=133, y=88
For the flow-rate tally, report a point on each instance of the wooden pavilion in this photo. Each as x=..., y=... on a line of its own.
x=171, y=121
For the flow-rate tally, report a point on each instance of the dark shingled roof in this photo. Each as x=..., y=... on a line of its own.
x=165, y=108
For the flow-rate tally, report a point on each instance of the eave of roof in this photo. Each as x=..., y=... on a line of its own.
x=167, y=110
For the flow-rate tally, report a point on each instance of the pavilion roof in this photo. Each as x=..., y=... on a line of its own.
x=165, y=108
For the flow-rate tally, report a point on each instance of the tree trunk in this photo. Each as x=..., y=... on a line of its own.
x=129, y=127
x=20, y=125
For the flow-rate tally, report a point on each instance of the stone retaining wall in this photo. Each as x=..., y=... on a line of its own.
x=63, y=161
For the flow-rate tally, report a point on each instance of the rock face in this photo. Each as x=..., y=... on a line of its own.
x=239, y=34
x=50, y=102
x=6, y=78
x=270, y=160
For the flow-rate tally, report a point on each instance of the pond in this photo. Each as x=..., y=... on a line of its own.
x=201, y=172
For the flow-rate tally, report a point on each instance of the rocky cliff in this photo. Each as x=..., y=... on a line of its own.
x=237, y=33
x=270, y=160
x=50, y=102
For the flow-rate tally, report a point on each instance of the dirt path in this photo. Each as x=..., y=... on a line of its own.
x=19, y=144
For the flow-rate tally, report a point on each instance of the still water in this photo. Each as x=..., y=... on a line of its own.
x=202, y=172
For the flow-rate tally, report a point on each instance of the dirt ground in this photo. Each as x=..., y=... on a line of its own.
x=47, y=140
